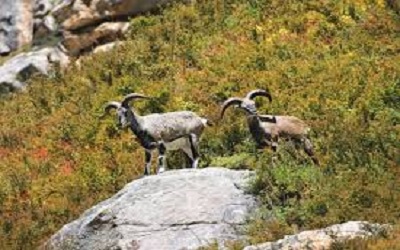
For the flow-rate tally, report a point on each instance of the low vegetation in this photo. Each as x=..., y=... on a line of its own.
x=334, y=64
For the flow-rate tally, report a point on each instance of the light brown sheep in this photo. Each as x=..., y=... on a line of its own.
x=266, y=130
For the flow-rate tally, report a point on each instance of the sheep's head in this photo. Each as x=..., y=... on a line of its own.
x=123, y=111
x=249, y=106
x=122, y=117
x=247, y=103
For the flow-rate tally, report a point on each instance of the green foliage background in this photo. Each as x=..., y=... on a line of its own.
x=334, y=64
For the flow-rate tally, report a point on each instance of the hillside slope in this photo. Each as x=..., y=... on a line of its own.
x=333, y=64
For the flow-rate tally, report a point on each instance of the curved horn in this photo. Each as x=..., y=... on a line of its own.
x=109, y=106
x=130, y=97
x=229, y=102
x=259, y=92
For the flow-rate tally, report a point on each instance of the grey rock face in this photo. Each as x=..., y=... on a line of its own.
x=182, y=209
x=14, y=72
x=324, y=238
x=16, y=24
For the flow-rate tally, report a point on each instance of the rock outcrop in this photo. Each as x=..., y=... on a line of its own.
x=76, y=26
x=76, y=14
x=95, y=22
x=17, y=70
x=324, y=238
x=182, y=209
x=16, y=24
x=106, y=32
x=87, y=24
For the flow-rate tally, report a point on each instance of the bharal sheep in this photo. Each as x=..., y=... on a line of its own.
x=164, y=131
x=266, y=130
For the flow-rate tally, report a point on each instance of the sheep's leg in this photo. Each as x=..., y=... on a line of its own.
x=188, y=156
x=295, y=145
x=274, y=147
x=161, y=158
x=308, y=148
x=195, y=152
x=188, y=152
x=147, y=165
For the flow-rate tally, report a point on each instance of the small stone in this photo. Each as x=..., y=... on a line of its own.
x=323, y=238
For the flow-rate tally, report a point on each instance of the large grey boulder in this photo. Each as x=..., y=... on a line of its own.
x=181, y=209
x=15, y=72
x=16, y=24
x=324, y=238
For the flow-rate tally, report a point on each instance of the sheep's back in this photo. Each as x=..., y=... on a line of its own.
x=291, y=126
x=169, y=126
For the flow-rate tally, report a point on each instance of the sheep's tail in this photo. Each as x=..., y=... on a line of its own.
x=207, y=122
